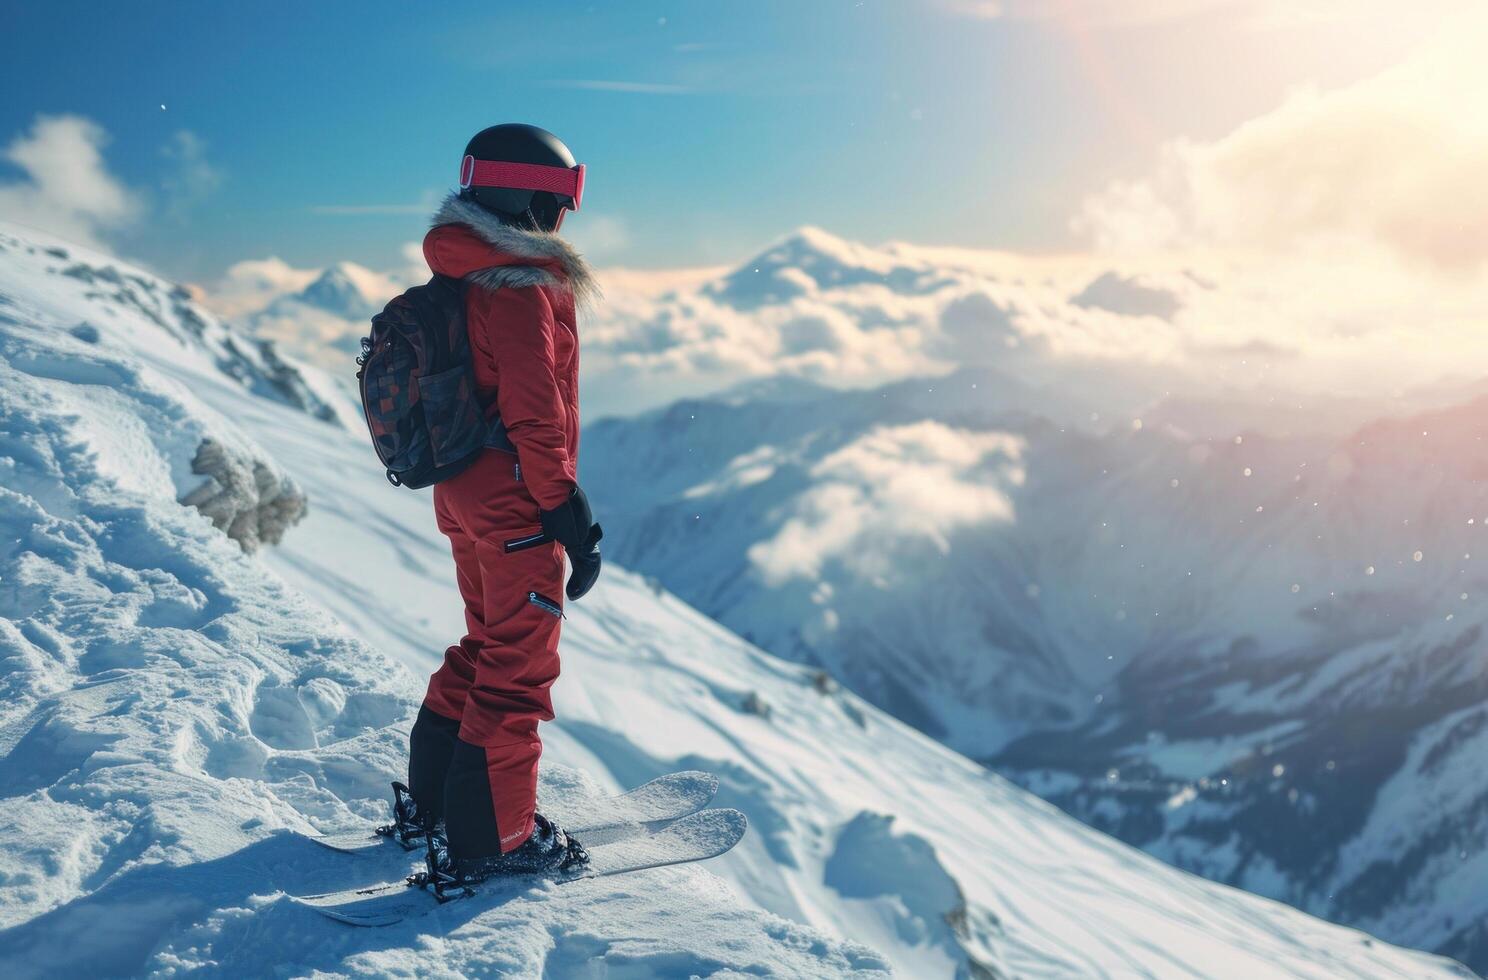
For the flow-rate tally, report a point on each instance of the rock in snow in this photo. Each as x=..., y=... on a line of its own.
x=244, y=497
x=170, y=706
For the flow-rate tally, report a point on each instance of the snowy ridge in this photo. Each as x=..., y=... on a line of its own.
x=169, y=703
x=107, y=390
x=101, y=299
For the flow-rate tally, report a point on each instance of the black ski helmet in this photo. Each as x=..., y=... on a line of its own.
x=523, y=173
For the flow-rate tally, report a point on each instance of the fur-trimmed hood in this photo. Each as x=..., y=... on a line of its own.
x=532, y=258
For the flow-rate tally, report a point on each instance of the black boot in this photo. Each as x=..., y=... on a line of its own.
x=547, y=851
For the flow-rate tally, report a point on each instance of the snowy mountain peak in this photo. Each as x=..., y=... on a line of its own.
x=811, y=239
x=811, y=260
x=346, y=289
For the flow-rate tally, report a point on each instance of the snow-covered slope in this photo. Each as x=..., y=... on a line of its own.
x=169, y=704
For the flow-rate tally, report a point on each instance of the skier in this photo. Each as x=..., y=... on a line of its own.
x=510, y=516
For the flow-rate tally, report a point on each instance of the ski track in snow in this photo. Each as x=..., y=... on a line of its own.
x=169, y=707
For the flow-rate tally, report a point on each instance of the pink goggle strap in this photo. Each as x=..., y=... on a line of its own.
x=526, y=176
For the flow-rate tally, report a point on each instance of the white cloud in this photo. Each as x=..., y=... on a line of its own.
x=261, y=294
x=1084, y=12
x=312, y=335
x=1264, y=14
x=252, y=284
x=652, y=283
x=975, y=9
x=68, y=189
x=1127, y=295
x=415, y=268
x=379, y=287
x=978, y=329
x=1396, y=160
x=656, y=348
x=755, y=466
x=810, y=306
x=917, y=483
x=598, y=235
x=192, y=179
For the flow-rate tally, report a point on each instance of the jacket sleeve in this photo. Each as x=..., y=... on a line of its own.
x=519, y=331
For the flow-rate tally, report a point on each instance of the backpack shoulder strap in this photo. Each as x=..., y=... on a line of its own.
x=496, y=437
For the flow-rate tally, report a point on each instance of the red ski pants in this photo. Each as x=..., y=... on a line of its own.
x=496, y=681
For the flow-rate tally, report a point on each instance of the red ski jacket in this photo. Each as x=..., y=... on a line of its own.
x=525, y=287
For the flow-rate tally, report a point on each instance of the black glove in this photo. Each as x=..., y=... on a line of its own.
x=572, y=525
x=585, y=565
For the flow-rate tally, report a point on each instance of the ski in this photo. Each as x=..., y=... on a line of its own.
x=664, y=798
x=695, y=837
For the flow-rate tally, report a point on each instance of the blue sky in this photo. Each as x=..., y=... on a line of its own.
x=322, y=131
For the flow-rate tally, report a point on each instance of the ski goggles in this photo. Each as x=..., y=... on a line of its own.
x=563, y=181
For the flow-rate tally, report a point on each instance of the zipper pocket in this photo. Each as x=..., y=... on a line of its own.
x=522, y=544
x=545, y=604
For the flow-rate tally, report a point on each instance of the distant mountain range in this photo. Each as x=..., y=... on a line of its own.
x=1244, y=633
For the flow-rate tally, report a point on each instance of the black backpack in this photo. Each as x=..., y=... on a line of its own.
x=418, y=387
